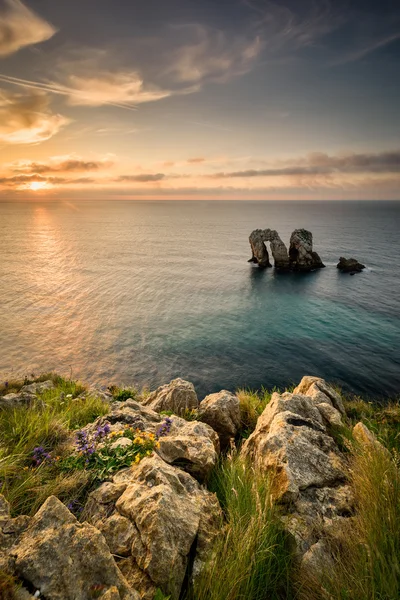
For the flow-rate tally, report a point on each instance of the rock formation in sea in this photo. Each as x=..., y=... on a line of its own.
x=349, y=265
x=260, y=253
x=300, y=257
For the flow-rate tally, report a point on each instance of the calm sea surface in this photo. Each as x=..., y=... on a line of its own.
x=142, y=292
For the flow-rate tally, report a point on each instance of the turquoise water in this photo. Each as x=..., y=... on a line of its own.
x=141, y=292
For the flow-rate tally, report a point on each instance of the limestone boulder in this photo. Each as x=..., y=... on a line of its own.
x=177, y=396
x=291, y=441
x=320, y=391
x=170, y=513
x=191, y=445
x=67, y=560
x=222, y=412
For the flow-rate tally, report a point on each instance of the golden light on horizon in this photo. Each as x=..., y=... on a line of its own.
x=35, y=186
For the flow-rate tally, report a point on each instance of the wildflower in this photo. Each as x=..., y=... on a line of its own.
x=137, y=459
x=101, y=432
x=164, y=428
x=40, y=456
x=6, y=384
x=82, y=443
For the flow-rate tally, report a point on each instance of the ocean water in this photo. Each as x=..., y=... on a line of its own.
x=142, y=292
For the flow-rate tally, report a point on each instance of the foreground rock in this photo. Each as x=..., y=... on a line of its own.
x=177, y=396
x=191, y=445
x=301, y=255
x=67, y=560
x=350, y=265
x=292, y=442
x=160, y=520
x=222, y=412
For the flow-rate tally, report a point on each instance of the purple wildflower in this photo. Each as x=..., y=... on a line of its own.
x=82, y=443
x=101, y=432
x=40, y=456
x=164, y=428
x=6, y=384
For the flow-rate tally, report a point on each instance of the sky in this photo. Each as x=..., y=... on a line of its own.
x=199, y=99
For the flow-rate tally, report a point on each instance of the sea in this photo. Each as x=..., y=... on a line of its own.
x=138, y=293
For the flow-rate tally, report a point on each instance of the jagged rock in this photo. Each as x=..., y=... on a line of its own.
x=222, y=412
x=38, y=388
x=260, y=254
x=317, y=389
x=11, y=530
x=349, y=265
x=137, y=578
x=367, y=439
x=119, y=533
x=122, y=442
x=170, y=512
x=301, y=255
x=192, y=445
x=65, y=559
x=177, y=396
x=17, y=399
x=292, y=442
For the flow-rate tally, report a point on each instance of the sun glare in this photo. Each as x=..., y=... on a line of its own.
x=37, y=185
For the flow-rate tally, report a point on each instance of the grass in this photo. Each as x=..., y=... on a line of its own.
x=8, y=586
x=366, y=557
x=123, y=394
x=252, y=404
x=48, y=422
x=252, y=560
x=382, y=419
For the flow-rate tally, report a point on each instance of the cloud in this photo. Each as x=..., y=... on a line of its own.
x=20, y=27
x=61, y=165
x=323, y=164
x=27, y=119
x=141, y=178
x=24, y=181
x=211, y=55
x=196, y=160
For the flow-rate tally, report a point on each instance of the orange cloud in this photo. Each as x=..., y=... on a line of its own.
x=20, y=27
x=27, y=119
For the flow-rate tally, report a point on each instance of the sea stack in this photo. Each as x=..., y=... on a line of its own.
x=301, y=255
x=299, y=258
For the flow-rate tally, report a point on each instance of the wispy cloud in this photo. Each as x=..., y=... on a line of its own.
x=60, y=165
x=20, y=27
x=211, y=55
x=323, y=164
x=27, y=118
x=142, y=178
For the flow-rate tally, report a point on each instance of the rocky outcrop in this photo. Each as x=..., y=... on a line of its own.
x=301, y=255
x=177, y=396
x=67, y=560
x=349, y=265
x=163, y=522
x=293, y=443
x=260, y=253
x=191, y=445
x=222, y=412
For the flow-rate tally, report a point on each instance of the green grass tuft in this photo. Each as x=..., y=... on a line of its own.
x=252, y=559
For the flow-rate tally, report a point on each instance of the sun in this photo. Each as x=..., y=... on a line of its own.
x=37, y=185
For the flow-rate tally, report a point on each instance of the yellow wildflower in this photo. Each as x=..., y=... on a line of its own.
x=137, y=459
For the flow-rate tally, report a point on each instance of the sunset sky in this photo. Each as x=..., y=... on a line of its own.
x=199, y=99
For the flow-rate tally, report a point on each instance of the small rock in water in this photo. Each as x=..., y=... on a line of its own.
x=350, y=265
